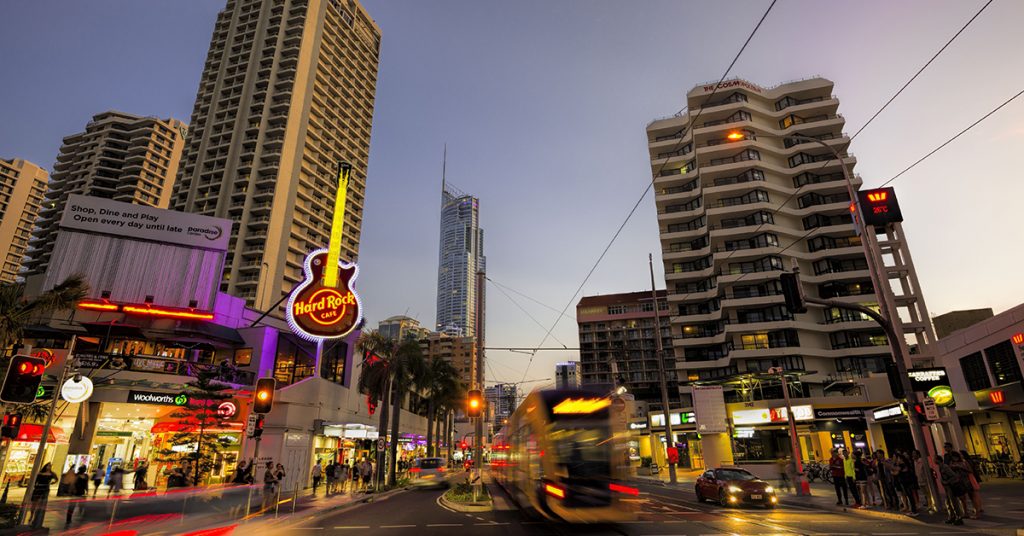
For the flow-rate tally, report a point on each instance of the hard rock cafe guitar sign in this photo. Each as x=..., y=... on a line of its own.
x=325, y=304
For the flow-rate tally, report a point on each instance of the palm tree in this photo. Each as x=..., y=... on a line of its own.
x=439, y=379
x=390, y=369
x=16, y=312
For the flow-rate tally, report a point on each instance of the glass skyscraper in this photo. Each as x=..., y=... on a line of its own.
x=460, y=256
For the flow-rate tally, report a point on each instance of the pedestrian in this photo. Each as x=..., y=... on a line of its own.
x=974, y=490
x=67, y=482
x=97, y=478
x=41, y=494
x=835, y=466
x=116, y=480
x=318, y=472
x=280, y=474
x=780, y=465
x=954, y=490
x=850, y=473
x=962, y=471
x=365, y=471
x=860, y=476
x=885, y=479
x=343, y=474
x=240, y=473
x=269, y=485
x=907, y=479
x=140, y=476
x=874, y=495
x=921, y=470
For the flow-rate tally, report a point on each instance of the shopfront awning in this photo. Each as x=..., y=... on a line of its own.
x=114, y=329
x=32, y=433
x=207, y=331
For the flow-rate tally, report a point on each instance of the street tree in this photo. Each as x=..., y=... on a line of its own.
x=197, y=440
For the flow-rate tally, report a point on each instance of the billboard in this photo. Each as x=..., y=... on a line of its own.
x=709, y=405
x=99, y=215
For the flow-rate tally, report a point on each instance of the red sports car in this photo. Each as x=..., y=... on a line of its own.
x=731, y=486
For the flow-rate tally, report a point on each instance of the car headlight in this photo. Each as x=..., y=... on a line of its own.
x=735, y=489
x=769, y=489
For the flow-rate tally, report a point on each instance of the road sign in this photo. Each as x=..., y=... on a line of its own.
x=380, y=443
x=931, y=411
x=250, y=425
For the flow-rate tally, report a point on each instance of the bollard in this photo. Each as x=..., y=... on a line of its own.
x=277, y=501
x=295, y=496
x=248, y=502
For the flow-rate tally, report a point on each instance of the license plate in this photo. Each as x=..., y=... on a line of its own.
x=755, y=497
x=428, y=476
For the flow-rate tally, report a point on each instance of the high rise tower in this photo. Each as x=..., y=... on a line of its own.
x=119, y=156
x=286, y=92
x=22, y=186
x=738, y=203
x=460, y=257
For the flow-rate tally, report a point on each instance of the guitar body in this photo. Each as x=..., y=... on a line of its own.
x=322, y=312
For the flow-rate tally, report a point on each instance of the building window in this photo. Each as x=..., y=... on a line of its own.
x=333, y=363
x=616, y=309
x=1003, y=363
x=974, y=372
x=292, y=362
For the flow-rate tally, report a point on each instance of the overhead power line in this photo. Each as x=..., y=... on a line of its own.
x=527, y=313
x=651, y=183
x=958, y=134
x=538, y=302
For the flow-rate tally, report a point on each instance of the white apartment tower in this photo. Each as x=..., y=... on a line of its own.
x=119, y=156
x=737, y=204
x=287, y=92
x=22, y=186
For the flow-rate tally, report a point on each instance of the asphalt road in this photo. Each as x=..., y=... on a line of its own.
x=663, y=511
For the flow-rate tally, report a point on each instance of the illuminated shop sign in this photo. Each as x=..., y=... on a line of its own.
x=678, y=418
x=887, y=412
x=934, y=382
x=772, y=415
x=325, y=305
x=145, y=310
x=638, y=426
x=838, y=413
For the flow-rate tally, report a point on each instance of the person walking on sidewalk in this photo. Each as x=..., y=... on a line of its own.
x=318, y=473
x=908, y=481
x=269, y=485
x=873, y=496
x=954, y=490
x=921, y=470
x=960, y=467
x=974, y=489
x=860, y=476
x=40, y=495
x=835, y=466
x=850, y=472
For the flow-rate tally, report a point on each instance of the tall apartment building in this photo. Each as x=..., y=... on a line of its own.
x=618, y=343
x=22, y=187
x=733, y=214
x=459, y=351
x=460, y=257
x=402, y=327
x=502, y=400
x=287, y=92
x=119, y=156
x=567, y=375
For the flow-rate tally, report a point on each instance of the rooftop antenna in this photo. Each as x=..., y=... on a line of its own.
x=444, y=170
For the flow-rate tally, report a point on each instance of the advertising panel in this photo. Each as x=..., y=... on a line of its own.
x=99, y=215
x=709, y=407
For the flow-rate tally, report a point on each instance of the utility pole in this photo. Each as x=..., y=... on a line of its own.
x=670, y=438
x=794, y=441
x=478, y=379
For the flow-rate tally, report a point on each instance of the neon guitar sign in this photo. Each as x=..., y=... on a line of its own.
x=325, y=304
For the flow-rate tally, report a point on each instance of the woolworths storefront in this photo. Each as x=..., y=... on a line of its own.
x=123, y=427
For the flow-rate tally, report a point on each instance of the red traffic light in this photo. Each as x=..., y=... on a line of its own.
x=22, y=380
x=464, y=446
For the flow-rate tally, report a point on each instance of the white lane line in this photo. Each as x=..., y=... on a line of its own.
x=532, y=523
x=489, y=524
x=893, y=533
x=352, y=527
x=397, y=526
x=445, y=524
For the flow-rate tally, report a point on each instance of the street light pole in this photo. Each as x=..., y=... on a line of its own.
x=670, y=438
x=896, y=342
x=798, y=462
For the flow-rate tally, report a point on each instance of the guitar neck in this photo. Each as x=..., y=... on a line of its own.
x=337, y=226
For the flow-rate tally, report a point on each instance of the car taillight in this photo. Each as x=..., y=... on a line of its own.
x=441, y=469
x=554, y=491
x=415, y=470
x=619, y=488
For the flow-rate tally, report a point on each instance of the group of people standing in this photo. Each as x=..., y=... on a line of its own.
x=899, y=482
x=341, y=477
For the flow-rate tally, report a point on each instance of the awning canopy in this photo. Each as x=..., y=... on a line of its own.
x=208, y=332
x=32, y=433
x=113, y=329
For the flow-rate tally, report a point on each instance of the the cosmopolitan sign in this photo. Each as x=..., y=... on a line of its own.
x=126, y=220
x=734, y=83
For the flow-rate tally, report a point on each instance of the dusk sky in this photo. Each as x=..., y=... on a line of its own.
x=543, y=107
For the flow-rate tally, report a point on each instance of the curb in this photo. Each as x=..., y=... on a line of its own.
x=460, y=507
x=846, y=509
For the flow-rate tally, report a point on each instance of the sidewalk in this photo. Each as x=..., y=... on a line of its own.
x=1001, y=500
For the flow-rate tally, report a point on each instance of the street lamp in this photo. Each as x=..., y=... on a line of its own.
x=884, y=290
x=798, y=462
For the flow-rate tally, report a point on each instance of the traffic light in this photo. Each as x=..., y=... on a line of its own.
x=11, y=426
x=263, y=398
x=793, y=292
x=21, y=384
x=258, y=429
x=474, y=403
x=464, y=445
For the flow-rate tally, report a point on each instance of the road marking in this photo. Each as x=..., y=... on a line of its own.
x=396, y=526
x=489, y=524
x=893, y=533
x=445, y=524
x=353, y=527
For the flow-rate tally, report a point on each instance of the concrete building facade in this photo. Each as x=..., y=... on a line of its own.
x=22, y=187
x=402, y=327
x=946, y=324
x=287, y=92
x=119, y=156
x=459, y=351
x=567, y=375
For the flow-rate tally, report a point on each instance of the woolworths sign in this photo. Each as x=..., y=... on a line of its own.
x=160, y=399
